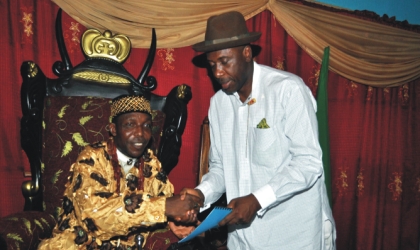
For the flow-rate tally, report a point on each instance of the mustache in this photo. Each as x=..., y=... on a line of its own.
x=139, y=140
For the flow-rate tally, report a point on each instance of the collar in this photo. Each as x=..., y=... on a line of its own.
x=252, y=98
x=256, y=82
x=125, y=162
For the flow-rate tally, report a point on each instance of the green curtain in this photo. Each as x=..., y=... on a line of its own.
x=322, y=115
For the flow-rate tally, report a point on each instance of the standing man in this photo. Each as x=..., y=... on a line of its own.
x=117, y=192
x=264, y=150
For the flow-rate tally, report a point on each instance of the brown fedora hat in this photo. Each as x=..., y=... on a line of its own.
x=224, y=31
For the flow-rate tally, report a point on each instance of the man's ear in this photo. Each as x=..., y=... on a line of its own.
x=247, y=52
x=113, y=129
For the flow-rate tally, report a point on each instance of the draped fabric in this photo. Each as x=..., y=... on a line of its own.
x=362, y=51
x=374, y=135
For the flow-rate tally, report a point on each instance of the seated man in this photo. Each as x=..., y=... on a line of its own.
x=117, y=192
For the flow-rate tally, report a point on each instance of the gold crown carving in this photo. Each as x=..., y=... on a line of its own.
x=105, y=45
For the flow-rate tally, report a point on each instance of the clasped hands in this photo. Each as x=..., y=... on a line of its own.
x=183, y=209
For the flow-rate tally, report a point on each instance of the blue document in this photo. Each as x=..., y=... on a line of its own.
x=211, y=221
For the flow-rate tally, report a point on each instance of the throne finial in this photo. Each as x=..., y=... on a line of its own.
x=97, y=45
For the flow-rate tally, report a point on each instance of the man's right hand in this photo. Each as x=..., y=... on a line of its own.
x=183, y=210
x=195, y=192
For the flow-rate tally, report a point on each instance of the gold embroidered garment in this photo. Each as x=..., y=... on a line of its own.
x=94, y=213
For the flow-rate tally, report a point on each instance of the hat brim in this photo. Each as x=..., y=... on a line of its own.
x=203, y=47
x=201, y=59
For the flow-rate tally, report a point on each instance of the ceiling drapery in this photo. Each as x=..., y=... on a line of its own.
x=362, y=51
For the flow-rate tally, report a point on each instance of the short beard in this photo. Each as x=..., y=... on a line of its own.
x=228, y=92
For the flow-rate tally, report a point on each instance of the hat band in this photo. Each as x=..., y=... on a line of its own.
x=223, y=40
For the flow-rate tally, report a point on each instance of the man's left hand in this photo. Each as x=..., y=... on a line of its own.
x=243, y=210
x=182, y=230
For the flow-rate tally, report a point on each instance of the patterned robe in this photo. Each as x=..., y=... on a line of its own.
x=96, y=216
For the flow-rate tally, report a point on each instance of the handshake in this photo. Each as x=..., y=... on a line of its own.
x=184, y=207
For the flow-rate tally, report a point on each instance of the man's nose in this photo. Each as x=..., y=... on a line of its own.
x=218, y=71
x=139, y=130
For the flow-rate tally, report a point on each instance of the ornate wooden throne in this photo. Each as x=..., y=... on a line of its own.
x=62, y=115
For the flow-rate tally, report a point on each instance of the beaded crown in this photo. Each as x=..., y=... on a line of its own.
x=129, y=103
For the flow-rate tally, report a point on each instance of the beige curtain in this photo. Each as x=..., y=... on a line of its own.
x=362, y=51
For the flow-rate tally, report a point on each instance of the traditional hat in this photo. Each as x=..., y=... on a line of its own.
x=129, y=103
x=224, y=31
